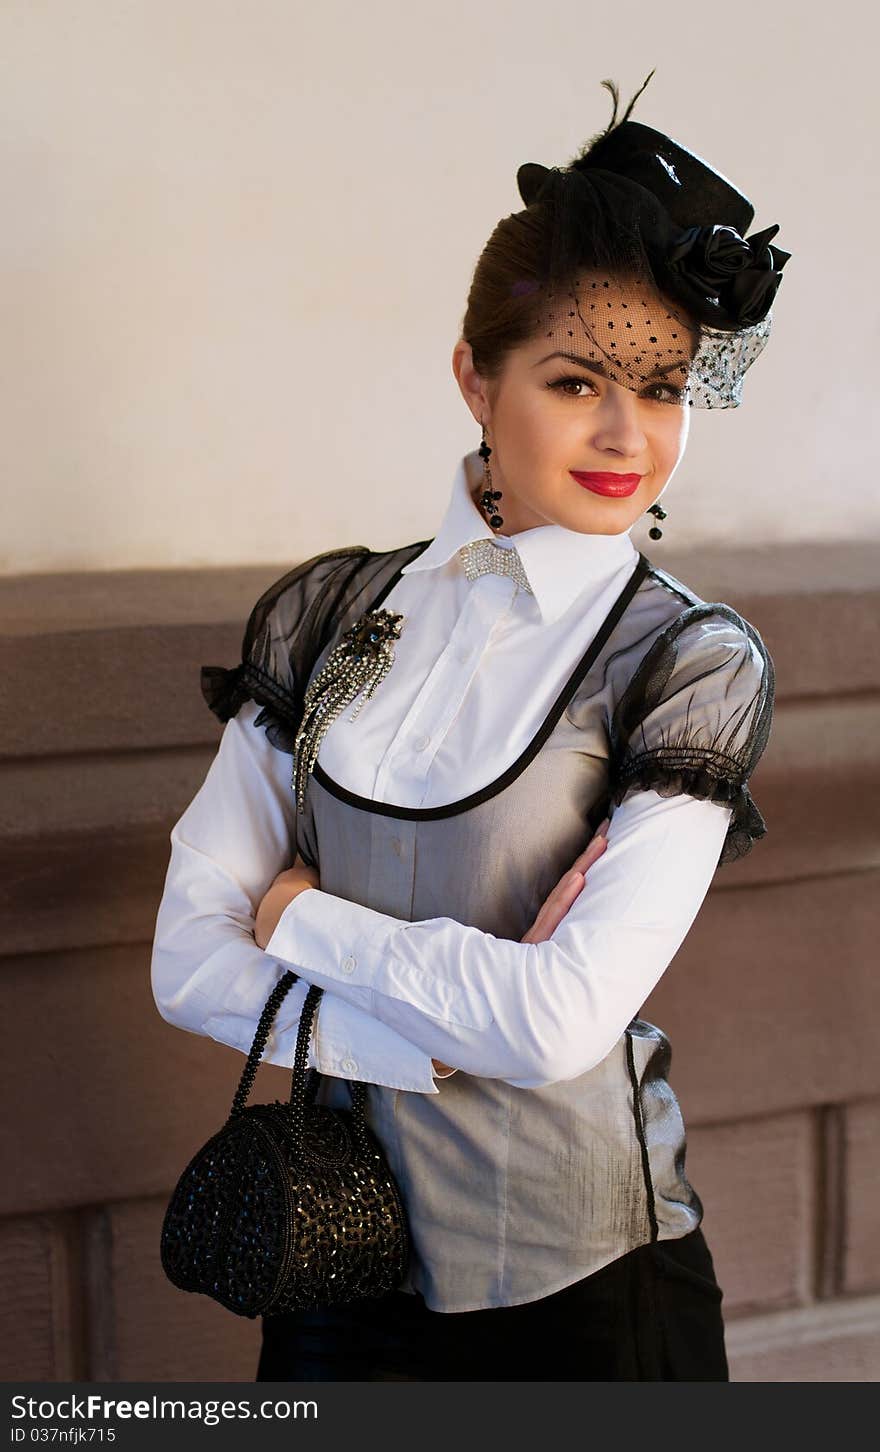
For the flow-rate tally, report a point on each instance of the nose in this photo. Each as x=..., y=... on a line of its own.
x=618, y=426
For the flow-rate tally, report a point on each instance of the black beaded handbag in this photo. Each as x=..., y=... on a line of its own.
x=290, y=1206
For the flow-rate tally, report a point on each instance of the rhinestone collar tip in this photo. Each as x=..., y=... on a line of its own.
x=485, y=557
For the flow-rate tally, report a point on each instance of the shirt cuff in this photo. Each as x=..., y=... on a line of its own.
x=382, y=1057
x=342, y=1045
x=350, y=949
x=338, y=1021
x=339, y=939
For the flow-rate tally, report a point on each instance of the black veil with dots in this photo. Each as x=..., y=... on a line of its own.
x=642, y=213
x=601, y=297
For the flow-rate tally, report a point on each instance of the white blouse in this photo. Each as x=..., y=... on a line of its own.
x=477, y=665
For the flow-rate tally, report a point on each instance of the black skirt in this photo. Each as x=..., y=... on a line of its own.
x=652, y=1315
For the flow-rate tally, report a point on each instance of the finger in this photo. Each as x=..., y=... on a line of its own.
x=599, y=835
x=569, y=888
x=559, y=900
x=591, y=853
x=563, y=886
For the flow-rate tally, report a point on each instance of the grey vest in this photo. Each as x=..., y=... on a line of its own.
x=514, y=1193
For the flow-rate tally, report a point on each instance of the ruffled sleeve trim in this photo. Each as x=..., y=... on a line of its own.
x=284, y=632
x=226, y=691
x=697, y=772
x=695, y=717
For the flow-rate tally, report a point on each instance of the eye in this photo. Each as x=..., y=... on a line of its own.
x=560, y=383
x=669, y=390
x=655, y=392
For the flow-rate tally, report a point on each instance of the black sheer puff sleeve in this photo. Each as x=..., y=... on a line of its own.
x=696, y=716
x=282, y=638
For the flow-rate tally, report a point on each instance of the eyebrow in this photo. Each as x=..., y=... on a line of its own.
x=594, y=366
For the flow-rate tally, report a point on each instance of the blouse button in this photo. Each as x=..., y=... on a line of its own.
x=348, y=966
x=420, y=742
x=349, y=1066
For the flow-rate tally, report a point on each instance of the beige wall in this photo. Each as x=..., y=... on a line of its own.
x=237, y=241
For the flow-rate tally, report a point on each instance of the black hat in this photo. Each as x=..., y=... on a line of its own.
x=691, y=219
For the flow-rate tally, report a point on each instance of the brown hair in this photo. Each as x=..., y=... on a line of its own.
x=519, y=268
x=509, y=275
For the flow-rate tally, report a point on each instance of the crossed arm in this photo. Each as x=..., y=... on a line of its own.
x=399, y=995
x=299, y=878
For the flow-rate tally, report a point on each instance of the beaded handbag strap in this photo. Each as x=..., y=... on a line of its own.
x=303, y=1083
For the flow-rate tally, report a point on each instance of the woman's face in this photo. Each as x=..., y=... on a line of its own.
x=546, y=416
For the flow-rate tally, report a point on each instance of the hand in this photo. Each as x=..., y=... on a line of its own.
x=568, y=887
x=284, y=889
x=561, y=898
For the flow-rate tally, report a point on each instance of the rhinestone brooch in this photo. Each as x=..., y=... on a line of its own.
x=358, y=663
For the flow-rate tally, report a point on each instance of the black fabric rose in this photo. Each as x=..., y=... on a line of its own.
x=710, y=256
x=752, y=291
x=742, y=273
x=751, y=301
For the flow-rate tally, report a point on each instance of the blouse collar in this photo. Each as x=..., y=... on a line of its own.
x=561, y=564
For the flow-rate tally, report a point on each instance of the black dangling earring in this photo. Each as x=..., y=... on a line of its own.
x=654, y=532
x=489, y=495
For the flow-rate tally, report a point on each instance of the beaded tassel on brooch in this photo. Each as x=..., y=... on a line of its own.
x=359, y=662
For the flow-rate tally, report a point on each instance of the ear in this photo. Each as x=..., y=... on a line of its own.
x=474, y=388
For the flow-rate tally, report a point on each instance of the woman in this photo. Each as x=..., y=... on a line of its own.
x=499, y=852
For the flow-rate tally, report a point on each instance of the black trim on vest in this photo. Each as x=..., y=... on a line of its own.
x=640, y=1131
x=451, y=809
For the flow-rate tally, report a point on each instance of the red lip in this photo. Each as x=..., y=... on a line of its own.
x=617, y=486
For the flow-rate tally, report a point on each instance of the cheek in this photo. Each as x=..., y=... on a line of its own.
x=670, y=439
x=531, y=427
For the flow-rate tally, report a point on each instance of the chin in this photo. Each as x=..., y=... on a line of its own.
x=614, y=516
x=619, y=529
x=601, y=525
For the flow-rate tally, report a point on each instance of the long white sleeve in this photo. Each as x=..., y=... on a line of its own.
x=208, y=975
x=529, y=1014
